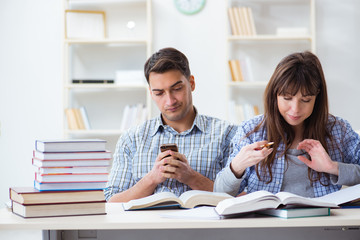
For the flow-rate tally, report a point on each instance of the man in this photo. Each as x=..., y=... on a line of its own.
x=139, y=168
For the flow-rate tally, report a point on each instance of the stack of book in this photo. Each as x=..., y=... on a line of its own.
x=242, y=21
x=77, y=119
x=29, y=202
x=80, y=164
x=69, y=179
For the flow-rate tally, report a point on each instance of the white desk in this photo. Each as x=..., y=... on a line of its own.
x=342, y=224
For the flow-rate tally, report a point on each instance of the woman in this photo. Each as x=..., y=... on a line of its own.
x=314, y=153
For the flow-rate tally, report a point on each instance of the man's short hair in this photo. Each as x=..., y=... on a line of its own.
x=165, y=60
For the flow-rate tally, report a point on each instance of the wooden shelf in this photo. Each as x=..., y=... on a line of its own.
x=256, y=56
x=107, y=41
x=269, y=38
x=248, y=84
x=101, y=56
x=94, y=132
x=106, y=86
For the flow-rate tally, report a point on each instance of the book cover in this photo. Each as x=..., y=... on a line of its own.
x=56, y=210
x=85, y=169
x=251, y=21
x=246, y=20
x=70, y=145
x=30, y=195
x=71, y=177
x=85, y=118
x=242, y=21
x=70, y=162
x=189, y=199
x=297, y=212
x=79, y=119
x=71, y=155
x=239, y=21
x=69, y=186
x=71, y=119
x=233, y=24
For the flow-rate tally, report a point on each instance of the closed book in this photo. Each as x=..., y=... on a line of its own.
x=71, y=177
x=71, y=155
x=52, y=170
x=56, y=210
x=85, y=118
x=30, y=195
x=70, y=163
x=79, y=119
x=71, y=119
x=297, y=212
x=69, y=186
x=70, y=145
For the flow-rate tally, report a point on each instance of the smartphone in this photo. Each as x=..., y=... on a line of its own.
x=168, y=146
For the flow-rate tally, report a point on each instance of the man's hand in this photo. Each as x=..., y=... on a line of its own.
x=158, y=173
x=176, y=166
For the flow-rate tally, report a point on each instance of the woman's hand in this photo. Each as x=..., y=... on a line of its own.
x=249, y=156
x=320, y=159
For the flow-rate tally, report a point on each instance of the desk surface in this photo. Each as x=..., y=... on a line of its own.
x=151, y=219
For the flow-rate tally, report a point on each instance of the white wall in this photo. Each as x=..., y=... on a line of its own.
x=31, y=74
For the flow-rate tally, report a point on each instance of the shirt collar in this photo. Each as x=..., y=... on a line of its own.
x=199, y=123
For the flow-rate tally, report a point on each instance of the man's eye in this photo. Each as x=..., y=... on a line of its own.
x=178, y=89
x=158, y=94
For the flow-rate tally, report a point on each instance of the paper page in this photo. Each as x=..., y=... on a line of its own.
x=290, y=198
x=343, y=196
x=150, y=200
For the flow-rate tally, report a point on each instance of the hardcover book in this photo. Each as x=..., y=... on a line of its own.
x=71, y=155
x=297, y=212
x=71, y=177
x=70, y=163
x=85, y=169
x=69, y=186
x=262, y=200
x=189, y=199
x=30, y=195
x=56, y=210
x=70, y=145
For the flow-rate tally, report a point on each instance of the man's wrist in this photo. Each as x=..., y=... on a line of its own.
x=200, y=182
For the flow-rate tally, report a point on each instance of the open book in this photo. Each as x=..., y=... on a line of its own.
x=262, y=200
x=189, y=199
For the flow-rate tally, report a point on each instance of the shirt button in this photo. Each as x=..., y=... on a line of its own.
x=277, y=182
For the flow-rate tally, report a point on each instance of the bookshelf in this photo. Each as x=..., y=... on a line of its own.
x=280, y=27
x=105, y=40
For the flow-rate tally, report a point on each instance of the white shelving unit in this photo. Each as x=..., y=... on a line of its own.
x=122, y=48
x=264, y=50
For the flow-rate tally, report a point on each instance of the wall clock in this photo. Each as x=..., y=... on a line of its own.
x=189, y=6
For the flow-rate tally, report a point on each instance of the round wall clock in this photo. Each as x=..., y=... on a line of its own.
x=189, y=6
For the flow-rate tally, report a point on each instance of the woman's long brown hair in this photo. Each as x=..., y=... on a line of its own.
x=296, y=72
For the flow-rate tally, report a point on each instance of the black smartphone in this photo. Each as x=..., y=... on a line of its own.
x=168, y=146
